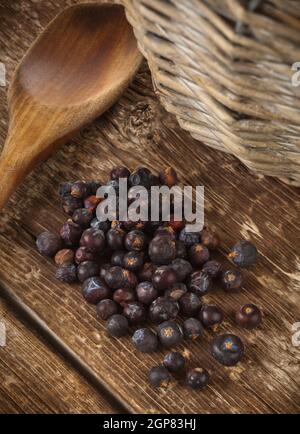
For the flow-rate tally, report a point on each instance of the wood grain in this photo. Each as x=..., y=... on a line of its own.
x=137, y=131
x=33, y=379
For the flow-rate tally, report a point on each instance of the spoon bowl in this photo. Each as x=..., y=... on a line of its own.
x=76, y=69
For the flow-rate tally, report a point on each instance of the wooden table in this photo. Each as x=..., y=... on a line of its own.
x=58, y=357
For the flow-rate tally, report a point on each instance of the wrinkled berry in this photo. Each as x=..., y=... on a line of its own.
x=232, y=280
x=79, y=189
x=129, y=279
x=82, y=217
x=190, y=304
x=182, y=268
x=94, y=290
x=133, y=261
x=227, y=349
x=248, y=316
x=146, y=293
x=176, y=291
x=117, y=325
x=163, y=278
x=145, y=340
x=163, y=309
x=200, y=282
x=70, y=233
x=114, y=277
x=162, y=250
x=123, y=296
x=192, y=328
x=210, y=239
x=83, y=254
x=87, y=269
x=135, y=241
x=198, y=254
x=174, y=361
x=168, y=177
x=135, y=312
x=197, y=378
x=146, y=273
x=213, y=268
x=189, y=238
x=106, y=308
x=165, y=231
x=169, y=334
x=244, y=253
x=159, y=376
x=70, y=204
x=210, y=315
x=66, y=273
x=48, y=244
x=93, y=239
x=115, y=238
x=119, y=172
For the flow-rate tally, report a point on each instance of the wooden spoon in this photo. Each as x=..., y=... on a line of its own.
x=75, y=70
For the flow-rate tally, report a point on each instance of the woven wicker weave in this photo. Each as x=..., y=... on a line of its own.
x=224, y=68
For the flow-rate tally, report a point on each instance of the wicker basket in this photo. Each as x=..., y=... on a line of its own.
x=224, y=68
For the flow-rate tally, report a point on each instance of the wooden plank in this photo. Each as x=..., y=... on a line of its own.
x=34, y=379
x=137, y=131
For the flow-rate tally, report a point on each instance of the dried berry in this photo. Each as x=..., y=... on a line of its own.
x=87, y=269
x=145, y=340
x=129, y=279
x=210, y=239
x=189, y=238
x=168, y=177
x=174, y=361
x=117, y=258
x=64, y=257
x=119, y=172
x=71, y=203
x=198, y=254
x=106, y=308
x=162, y=250
x=97, y=224
x=146, y=293
x=244, y=253
x=70, y=233
x=182, y=268
x=114, y=277
x=84, y=254
x=190, y=304
x=197, y=378
x=176, y=291
x=103, y=270
x=91, y=202
x=79, y=189
x=135, y=241
x=211, y=315
x=248, y=316
x=123, y=296
x=181, y=251
x=117, y=325
x=135, y=312
x=213, y=268
x=227, y=349
x=163, y=309
x=192, y=328
x=232, y=280
x=93, y=239
x=165, y=231
x=115, y=238
x=48, y=244
x=94, y=290
x=176, y=225
x=159, y=376
x=200, y=282
x=163, y=278
x=66, y=273
x=82, y=217
x=146, y=273
x=169, y=334
x=133, y=261
x=141, y=177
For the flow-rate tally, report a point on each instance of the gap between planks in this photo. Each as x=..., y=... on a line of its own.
x=64, y=350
